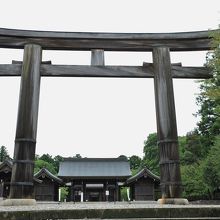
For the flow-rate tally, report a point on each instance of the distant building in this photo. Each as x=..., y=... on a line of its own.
x=144, y=186
x=48, y=187
x=5, y=178
x=217, y=193
x=94, y=179
x=88, y=179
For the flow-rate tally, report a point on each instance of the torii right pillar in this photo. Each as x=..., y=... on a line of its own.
x=170, y=177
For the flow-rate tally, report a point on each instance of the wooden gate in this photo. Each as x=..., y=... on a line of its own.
x=32, y=68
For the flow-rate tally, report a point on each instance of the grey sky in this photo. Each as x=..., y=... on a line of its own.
x=101, y=117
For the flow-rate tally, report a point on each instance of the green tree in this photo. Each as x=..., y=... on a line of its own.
x=64, y=193
x=192, y=148
x=3, y=153
x=182, y=144
x=135, y=162
x=57, y=159
x=77, y=156
x=151, y=154
x=194, y=187
x=209, y=98
x=47, y=157
x=124, y=195
x=211, y=168
x=123, y=156
x=39, y=164
x=200, y=153
x=50, y=160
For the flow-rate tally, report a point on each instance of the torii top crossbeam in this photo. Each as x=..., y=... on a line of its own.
x=185, y=41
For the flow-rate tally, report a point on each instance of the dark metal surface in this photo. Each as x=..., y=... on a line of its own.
x=26, y=130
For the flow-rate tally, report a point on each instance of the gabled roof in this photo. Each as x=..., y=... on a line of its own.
x=144, y=172
x=79, y=168
x=7, y=163
x=44, y=172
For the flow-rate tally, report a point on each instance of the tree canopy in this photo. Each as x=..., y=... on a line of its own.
x=4, y=154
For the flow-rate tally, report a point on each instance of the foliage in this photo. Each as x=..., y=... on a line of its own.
x=64, y=193
x=52, y=161
x=151, y=154
x=77, y=156
x=47, y=157
x=124, y=195
x=135, y=162
x=200, y=155
x=39, y=164
x=193, y=184
x=209, y=98
x=192, y=148
x=56, y=161
x=182, y=143
x=3, y=153
x=123, y=156
x=211, y=168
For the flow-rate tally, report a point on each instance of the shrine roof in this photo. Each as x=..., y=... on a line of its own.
x=106, y=168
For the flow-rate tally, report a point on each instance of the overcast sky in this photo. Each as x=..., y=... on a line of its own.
x=101, y=117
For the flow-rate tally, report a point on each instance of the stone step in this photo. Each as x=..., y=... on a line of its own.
x=110, y=211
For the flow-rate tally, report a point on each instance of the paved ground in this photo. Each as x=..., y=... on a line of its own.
x=99, y=205
x=110, y=210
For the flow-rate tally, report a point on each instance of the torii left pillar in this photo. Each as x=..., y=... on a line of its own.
x=21, y=191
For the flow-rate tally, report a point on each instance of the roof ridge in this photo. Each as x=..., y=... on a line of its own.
x=140, y=173
x=48, y=173
x=95, y=159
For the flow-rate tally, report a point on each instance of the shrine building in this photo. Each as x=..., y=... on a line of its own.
x=94, y=179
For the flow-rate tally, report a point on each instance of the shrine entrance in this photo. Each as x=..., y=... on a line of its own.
x=32, y=69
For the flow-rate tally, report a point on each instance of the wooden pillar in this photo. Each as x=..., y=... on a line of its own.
x=84, y=191
x=26, y=131
x=97, y=58
x=105, y=190
x=116, y=192
x=72, y=192
x=166, y=125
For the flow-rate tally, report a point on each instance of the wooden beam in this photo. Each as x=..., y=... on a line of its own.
x=107, y=71
x=26, y=131
x=172, y=64
x=20, y=62
x=97, y=58
x=182, y=41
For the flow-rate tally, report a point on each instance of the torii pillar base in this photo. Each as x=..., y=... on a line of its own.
x=18, y=202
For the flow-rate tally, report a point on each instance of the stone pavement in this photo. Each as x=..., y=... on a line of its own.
x=109, y=210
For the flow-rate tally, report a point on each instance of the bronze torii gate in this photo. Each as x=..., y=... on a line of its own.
x=161, y=70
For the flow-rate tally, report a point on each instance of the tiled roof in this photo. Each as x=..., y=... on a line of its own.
x=6, y=163
x=47, y=173
x=95, y=168
x=141, y=173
